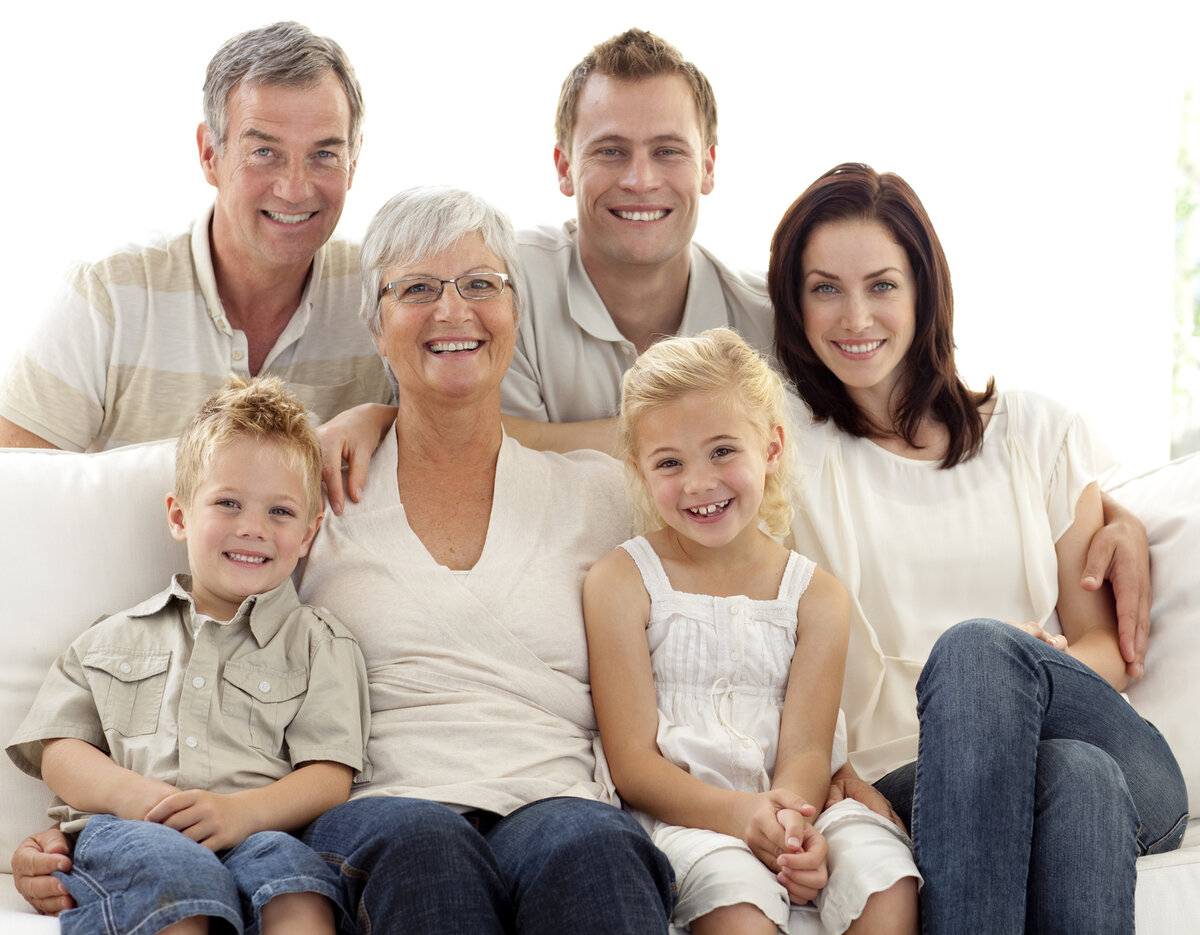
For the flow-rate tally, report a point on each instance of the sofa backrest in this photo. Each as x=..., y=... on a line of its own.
x=1167, y=500
x=80, y=536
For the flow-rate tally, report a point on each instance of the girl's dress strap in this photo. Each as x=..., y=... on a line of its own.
x=796, y=577
x=649, y=564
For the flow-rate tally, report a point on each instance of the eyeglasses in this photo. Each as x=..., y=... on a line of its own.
x=424, y=289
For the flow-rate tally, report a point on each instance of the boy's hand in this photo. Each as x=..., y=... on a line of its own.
x=803, y=867
x=763, y=832
x=139, y=795
x=217, y=821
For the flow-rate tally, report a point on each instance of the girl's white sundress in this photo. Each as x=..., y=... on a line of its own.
x=721, y=667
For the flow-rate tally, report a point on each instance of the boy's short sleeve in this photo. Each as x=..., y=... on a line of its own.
x=334, y=720
x=64, y=707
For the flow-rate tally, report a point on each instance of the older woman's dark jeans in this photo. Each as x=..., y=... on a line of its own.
x=561, y=866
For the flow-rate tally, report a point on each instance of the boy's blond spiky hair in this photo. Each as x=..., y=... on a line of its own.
x=261, y=409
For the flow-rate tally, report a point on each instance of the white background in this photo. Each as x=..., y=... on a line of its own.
x=1040, y=135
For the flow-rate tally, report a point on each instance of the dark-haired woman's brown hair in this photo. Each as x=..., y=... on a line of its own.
x=931, y=386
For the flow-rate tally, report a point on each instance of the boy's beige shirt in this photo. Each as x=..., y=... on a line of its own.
x=181, y=698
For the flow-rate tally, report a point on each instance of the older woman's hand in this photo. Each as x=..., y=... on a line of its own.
x=351, y=437
x=33, y=862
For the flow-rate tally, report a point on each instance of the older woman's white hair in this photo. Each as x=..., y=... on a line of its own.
x=421, y=222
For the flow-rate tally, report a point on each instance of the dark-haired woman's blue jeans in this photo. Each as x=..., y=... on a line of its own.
x=561, y=866
x=1037, y=787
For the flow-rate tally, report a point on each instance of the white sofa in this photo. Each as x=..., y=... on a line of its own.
x=81, y=535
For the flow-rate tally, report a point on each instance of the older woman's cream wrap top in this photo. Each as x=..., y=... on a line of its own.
x=478, y=680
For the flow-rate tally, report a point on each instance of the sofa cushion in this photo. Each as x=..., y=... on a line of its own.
x=1167, y=500
x=82, y=535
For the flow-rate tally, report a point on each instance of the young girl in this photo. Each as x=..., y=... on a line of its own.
x=1038, y=784
x=716, y=661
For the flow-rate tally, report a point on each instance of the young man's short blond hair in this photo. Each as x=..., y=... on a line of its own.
x=716, y=362
x=633, y=55
x=260, y=409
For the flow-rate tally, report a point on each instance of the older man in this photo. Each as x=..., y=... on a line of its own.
x=137, y=340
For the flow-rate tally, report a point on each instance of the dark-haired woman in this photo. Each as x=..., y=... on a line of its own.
x=1034, y=786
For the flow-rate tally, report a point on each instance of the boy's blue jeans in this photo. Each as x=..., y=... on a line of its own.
x=559, y=866
x=140, y=876
x=1037, y=787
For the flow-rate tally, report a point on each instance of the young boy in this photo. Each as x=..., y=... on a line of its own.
x=185, y=736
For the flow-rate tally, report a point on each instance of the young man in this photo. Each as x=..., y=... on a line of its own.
x=636, y=134
x=184, y=736
x=137, y=340
x=636, y=137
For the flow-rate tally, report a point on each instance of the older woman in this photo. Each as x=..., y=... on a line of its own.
x=459, y=571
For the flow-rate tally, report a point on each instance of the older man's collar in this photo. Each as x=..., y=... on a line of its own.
x=206, y=276
x=202, y=263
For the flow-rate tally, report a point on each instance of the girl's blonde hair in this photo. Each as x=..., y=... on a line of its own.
x=719, y=362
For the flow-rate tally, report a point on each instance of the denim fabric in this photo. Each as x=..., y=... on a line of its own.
x=898, y=787
x=1037, y=787
x=139, y=877
x=561, y=866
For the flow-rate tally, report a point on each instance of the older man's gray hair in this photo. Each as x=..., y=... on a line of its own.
x=286, y=54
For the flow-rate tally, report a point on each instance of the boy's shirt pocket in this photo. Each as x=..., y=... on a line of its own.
x=260, y=702
x=128, y=687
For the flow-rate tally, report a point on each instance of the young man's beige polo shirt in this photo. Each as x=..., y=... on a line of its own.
x=570, y=357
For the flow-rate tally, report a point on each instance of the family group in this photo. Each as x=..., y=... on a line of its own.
x=651, y=593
